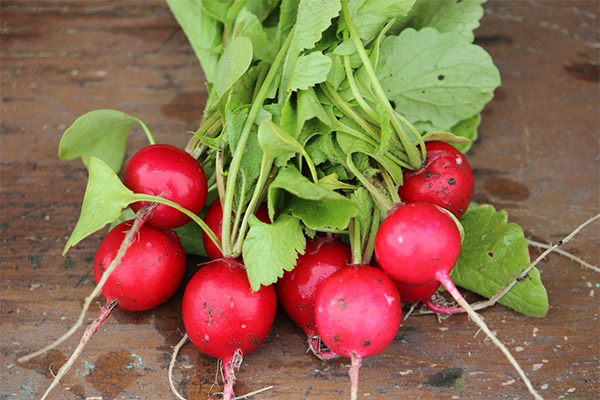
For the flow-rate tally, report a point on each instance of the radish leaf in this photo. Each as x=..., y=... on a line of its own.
x=99, y=133
x=448, y=16
x=315, y=205
x=436, y=78
x=271, y=249
x=105, y=197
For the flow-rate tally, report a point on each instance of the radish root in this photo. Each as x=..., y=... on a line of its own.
x=172, y=364
x=229, y=368
x=445, y=280
x=140, y=218
x=255, y=392
x=87, y=336
x=563, y=253
x=354, y=369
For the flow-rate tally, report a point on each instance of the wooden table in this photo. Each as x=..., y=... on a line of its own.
x=537, y=157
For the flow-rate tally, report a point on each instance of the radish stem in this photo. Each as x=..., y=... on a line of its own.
x=444, y=279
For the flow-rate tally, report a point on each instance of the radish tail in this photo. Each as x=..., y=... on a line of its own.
x=140, y=218
x=87, y=336
x=356, y=362
x=441, y=309
x=445, y=280
x=172, y=364
x=229, y=367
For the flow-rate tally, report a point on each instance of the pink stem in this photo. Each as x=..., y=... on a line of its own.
x=229, y=378
x=443, y=310
x=354, y=368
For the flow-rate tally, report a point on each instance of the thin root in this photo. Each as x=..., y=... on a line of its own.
x=563, y=253
x=172, y=364
x=87, y=336
x=248, y=395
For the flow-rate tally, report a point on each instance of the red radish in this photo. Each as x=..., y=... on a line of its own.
x=419, y=243
x=358, y=313
x=223, y=317
x=297, y=289
x=416, y=241
x=166, y=171
x=214, y=220
x=445, y=180
x=149, y=273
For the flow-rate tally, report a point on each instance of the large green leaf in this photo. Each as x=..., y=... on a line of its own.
x=436, y=78
x=99, y=133
x=370, y=16
x=461, y=17
x=271, y=249
x=494, y=252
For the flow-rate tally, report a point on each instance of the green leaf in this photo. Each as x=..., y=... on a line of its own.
x=99, y=133
x=105, y=197
x=271, y=249
x=203, y=32
x=467, y=129
x=436, y=78
x=461, y=17
x=232, y=65
x=315, y=205
x=313, y=18
x=332, y=182
x=370, y=16
x=275, y=142
x=250, y=26
x=310, y=70
x=494, y=252
x=446, y=137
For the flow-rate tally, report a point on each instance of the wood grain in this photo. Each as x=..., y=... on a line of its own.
x=537, y=157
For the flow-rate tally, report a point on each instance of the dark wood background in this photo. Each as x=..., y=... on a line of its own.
x=537, y=157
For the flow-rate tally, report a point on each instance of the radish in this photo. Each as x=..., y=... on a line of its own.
x=297, y=289
x=214, y=220
x=166, y=171
x=419, y=243
x=149, y=273
x=223, y=317
x=358, y=313
x=445, y=180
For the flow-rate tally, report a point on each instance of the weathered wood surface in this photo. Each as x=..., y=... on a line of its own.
x=537, y=157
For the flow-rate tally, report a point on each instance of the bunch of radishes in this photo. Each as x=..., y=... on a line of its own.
x=324, y=190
